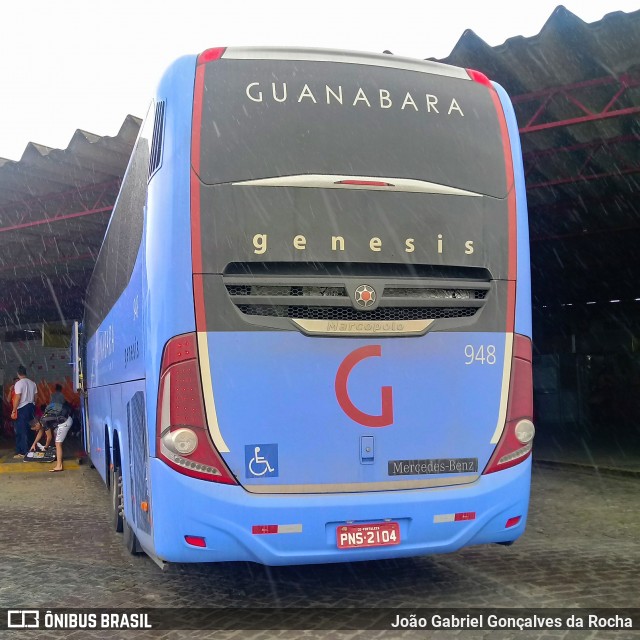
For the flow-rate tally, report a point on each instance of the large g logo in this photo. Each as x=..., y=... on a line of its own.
x=342, y=393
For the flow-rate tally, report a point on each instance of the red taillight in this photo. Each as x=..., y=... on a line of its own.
x=515, y=443
x=512, y=522
x=479, y=77
x=182, y=436
x=365, y=183
x=195, y=541
x=211, y=54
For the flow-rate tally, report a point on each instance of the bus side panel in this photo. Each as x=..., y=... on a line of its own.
x=114, y=354
x=523, y=293
x=99, y=403
x=168, y=276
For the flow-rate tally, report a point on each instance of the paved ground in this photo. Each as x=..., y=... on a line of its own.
x=580, y=550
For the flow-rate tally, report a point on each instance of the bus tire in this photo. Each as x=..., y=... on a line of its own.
x=130, y=539
x=116, y=499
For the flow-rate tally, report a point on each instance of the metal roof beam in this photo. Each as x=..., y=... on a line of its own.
x=583, y=234
x=584, y=178
x=575, y=96
x=588, y=166
x=89, y=197
x=543, y=153
x=68, y=216
x=61, y=260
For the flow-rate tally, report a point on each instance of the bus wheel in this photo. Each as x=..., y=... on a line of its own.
x=130, y=539
x=116, y=499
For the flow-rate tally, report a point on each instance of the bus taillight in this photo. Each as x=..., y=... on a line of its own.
x=364, y=183
x=211, y=54
x=478, y=76
x=182, y=437
x=516, y=441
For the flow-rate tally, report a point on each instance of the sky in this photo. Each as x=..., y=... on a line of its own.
x=86, y=64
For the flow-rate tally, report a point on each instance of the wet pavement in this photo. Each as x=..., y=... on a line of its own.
x=580, y=550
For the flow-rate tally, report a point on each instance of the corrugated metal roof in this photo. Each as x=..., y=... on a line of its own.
x=54, y=209
x=576, y=91
x=87, y=160
x=567, y=50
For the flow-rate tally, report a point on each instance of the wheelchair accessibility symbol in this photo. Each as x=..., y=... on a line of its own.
x=261, y=460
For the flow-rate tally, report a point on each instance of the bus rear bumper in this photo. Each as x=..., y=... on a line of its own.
x=225, y=517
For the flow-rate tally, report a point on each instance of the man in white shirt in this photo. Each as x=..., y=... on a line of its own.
x=24, y=405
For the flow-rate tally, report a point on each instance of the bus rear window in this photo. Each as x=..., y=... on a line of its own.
x=270, y=118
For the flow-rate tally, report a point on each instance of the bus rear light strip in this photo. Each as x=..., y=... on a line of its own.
x=365, y=183
x=188, y=464
x=519, y=453
x=519, y=413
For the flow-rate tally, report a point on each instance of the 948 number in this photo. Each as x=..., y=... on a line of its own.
x=484, y=354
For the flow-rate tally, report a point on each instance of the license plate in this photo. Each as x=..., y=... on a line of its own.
x=357, y=536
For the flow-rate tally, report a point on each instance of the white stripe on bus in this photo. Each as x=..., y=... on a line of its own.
x=504, y=394
x=445, y=517
x=358, y=487
x=207, y=388
x=322, y=181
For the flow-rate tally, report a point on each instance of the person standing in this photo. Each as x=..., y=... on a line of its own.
x=24, y=404
x=57, y=396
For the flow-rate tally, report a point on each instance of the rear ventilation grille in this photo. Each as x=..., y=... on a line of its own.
x=348, y=313
x=155, y=157
x=320, y=299
x=299, y=291
x=435, y=294
x=139, y=481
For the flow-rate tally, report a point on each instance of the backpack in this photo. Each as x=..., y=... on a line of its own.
x=57, y=410
x=55, y=413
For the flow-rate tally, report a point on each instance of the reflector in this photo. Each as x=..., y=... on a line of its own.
x=196, y=541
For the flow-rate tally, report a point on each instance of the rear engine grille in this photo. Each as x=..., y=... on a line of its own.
x=435, y=294
x=323, y=299
x=349, y=313
x=279, y=290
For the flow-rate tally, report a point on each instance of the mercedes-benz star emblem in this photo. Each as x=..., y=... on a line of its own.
x=365, y=296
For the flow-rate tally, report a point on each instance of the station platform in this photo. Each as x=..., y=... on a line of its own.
x=72, y=453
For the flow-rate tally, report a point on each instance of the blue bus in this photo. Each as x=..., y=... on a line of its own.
x=307, y=337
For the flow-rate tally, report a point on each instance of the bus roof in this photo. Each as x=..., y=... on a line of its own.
x=349, y=57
